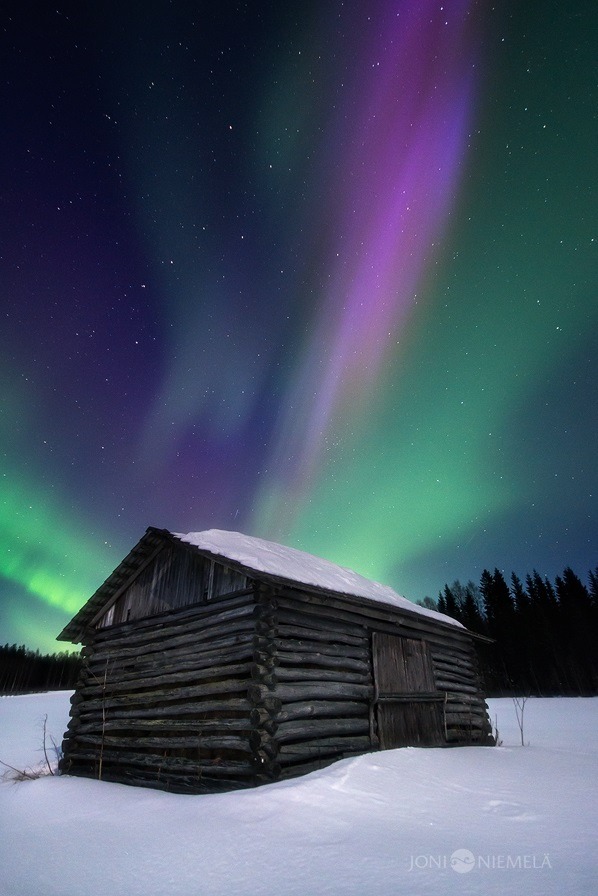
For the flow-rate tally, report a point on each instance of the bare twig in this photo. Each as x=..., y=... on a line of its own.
x=45, y=750
x=519, y=704
x=20, y=772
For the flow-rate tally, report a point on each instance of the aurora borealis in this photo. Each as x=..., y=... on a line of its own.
x=321, y=272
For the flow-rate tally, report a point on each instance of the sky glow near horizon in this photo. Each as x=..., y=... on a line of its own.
x=323, y=275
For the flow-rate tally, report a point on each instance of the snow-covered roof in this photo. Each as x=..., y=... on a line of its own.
x=297, y=566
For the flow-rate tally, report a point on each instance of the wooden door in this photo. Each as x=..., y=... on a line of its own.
x=408, y=707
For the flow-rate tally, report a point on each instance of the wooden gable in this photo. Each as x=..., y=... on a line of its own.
x=172, y=579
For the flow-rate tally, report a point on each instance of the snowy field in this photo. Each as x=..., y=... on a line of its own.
x=510, y=819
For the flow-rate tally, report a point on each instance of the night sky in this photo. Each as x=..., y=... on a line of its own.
x=321, y=272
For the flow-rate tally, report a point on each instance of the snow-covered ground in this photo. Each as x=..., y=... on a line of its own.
x=510, y=819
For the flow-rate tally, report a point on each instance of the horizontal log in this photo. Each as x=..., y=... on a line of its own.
x=168, y=765
x=467, y=699
x=174, y=679
x=415, y=697
x=445, y=684
x=177, y=635
x=463, y=720
x=288, y=631
x=188, y=617
x=307, y=645
x=168, y=647
x=201, y=709
x=167, y=664
x=469, y=703
x=182, y=784
x=360, y=611
x=457, y=676
x=321, y=660
x=454, y=655
x=466, y=733
x=290, y=753
x=199, y=742
x=316, y=618
x=302, y=674
x=160, y=697
x=453, y=663
x=309, y=709
x=301, y=729
x=174, y=638
x=211, y=712
x=139, y=727
x=313, y=690
x=461, y=708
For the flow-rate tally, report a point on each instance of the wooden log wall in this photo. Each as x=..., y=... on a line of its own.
x=259, y=686
x=321, y=674
x=464, y=711
x=164, y=702
x=324, y=677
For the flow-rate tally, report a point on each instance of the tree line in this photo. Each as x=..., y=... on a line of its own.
x=538, y=637
x=544, y=634
x=24, y=671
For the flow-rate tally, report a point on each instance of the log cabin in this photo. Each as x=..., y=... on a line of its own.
x=215, y=661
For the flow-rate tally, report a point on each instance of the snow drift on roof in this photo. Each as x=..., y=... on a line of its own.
x=298, y=566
